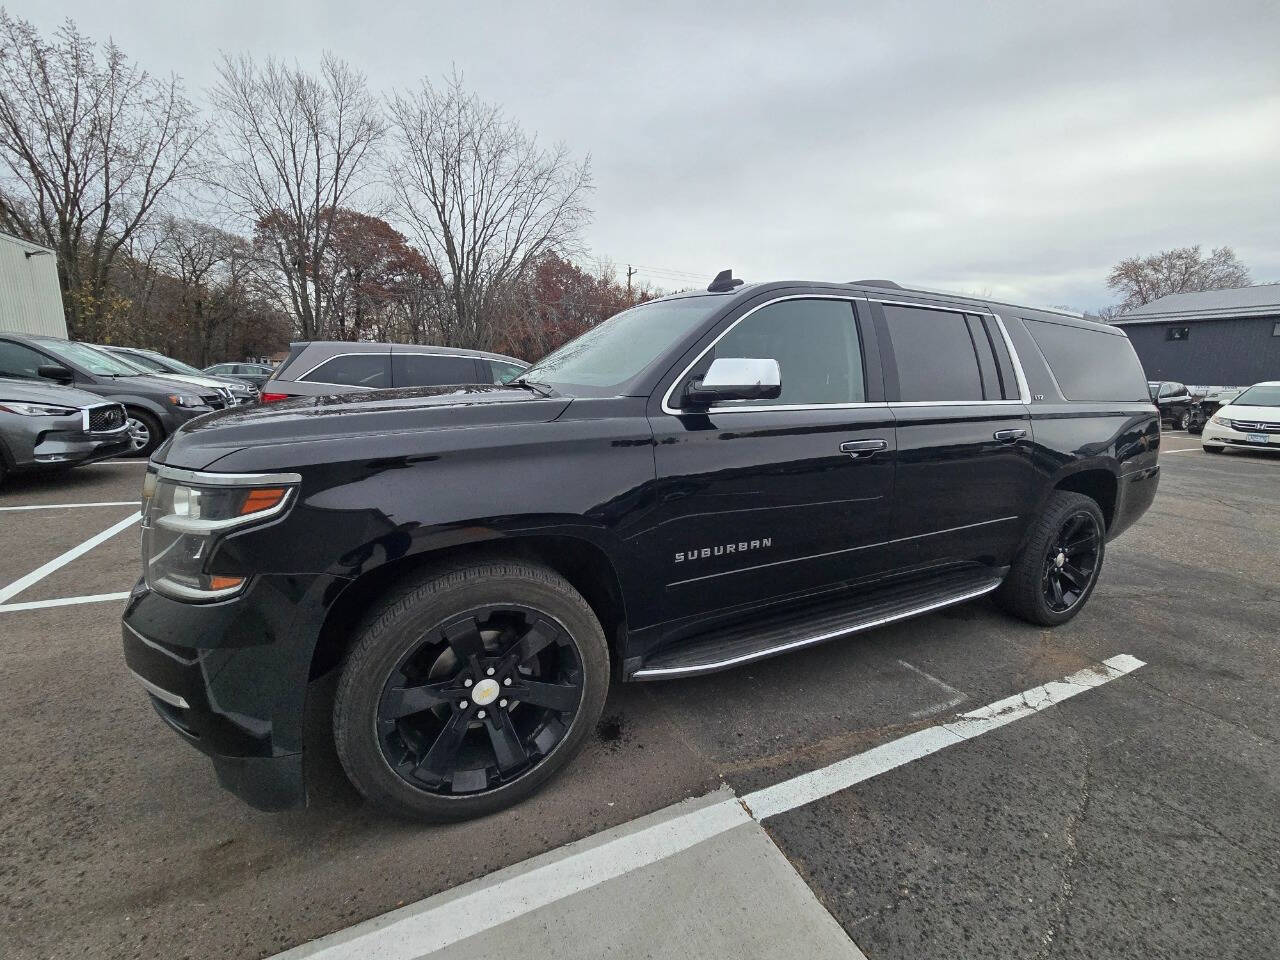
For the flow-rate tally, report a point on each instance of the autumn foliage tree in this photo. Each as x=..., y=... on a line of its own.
x=561, y=301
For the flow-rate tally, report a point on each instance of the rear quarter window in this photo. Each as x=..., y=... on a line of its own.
x=1090, y=364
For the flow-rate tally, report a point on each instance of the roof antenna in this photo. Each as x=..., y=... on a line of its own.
x=723, y=282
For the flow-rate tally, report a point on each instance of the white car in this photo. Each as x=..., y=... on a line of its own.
x=1250, y=420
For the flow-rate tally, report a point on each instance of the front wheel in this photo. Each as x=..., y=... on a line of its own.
x=469, y=689
x=1184, y=420
x=1211, y=448
x=1056, y=570
x=145, y=433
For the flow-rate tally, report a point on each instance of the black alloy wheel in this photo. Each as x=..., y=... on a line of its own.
x=1071, y=563
x=480, y=700
x=468, y=687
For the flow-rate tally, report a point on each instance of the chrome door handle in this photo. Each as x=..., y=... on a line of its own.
x=1007, y=435
x=863, y=448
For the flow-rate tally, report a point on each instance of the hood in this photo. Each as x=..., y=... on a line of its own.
x=201, y=383
x=200, y=442
x=1234, y=411
x=35, y=391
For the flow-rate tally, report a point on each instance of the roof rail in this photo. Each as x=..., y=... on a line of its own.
x=878, y=283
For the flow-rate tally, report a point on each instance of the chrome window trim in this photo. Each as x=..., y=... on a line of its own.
x=375, y=353
x=339, y=356
x=1024, y=394
x=201, y=477
x=677, y=412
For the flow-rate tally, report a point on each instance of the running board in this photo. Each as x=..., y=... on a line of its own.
x=772, y=635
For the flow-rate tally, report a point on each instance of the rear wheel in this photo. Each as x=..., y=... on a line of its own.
x=469, y=689
x=1055, y=572
x=1184, y=420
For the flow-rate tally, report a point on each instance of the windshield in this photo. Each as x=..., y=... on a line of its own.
x=610, y=354
x=170, y=365
x=138, y=360
x=98, y=362
x=1263, y=395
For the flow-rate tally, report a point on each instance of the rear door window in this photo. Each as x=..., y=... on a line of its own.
x=353, y=370
x=935, y=355
x=1093, y=364
x=427, y=370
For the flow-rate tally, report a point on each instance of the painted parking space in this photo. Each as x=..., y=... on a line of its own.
x=124, y=844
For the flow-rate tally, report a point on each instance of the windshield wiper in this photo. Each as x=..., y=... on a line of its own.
x=541, y=389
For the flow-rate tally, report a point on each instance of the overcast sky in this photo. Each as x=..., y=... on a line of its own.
x=1016, y=150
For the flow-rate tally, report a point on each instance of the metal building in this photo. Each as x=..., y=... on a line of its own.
x=1226, y=337
x=30, y=298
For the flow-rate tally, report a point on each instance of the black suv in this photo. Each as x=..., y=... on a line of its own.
x=696, y=483
x=1174, y=401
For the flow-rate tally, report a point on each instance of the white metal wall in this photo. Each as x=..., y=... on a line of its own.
x=30, y=301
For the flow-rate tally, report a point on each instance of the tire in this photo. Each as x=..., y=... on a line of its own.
x=1027, y=590
x=410, y=735
x=1212, y=448
x=145, y=433
x=1184, y=420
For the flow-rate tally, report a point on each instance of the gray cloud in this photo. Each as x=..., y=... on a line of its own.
x=1016, y=148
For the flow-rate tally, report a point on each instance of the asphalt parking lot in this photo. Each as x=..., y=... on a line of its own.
x=1136, y=820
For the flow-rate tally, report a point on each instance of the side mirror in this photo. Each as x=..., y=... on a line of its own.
x=55, y=371
x=736, y=378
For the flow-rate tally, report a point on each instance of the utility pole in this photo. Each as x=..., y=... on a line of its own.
x=630, y=274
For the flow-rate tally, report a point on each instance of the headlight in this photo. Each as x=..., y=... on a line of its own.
x=1223, y=421
x=35, y=409
x=185, y=512
x=185, y=400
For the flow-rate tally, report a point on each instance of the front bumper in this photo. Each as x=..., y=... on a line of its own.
x=1216, y=433
x=231, y=678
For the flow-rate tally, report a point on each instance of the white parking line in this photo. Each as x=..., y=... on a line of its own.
x=70, y=506
x=38, y=574
x=61, y=602
x=416, y=930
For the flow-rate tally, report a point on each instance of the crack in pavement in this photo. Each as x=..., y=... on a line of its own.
x=1063, y=902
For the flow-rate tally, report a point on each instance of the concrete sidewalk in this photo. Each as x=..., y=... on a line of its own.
x=699, y=879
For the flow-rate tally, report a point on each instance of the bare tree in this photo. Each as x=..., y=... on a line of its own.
x=89, y=143
x=293, y=146
x=484, y=199
x=1140, y=280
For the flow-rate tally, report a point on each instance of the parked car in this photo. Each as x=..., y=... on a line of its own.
x=1251, y=419
x=1207, y=406
x=154, y=407
x=320, y=367
x=48, y=427
x=1174, y=401
x=236, y=391
x=255, y=373
x=698, y=482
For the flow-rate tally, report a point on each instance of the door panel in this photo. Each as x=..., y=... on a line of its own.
x=756, y=500
x=965, y=480
x=961, y=494
x=763, y=504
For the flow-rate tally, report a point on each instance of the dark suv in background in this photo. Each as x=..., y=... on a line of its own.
x=154, y=407
x=321, y=367
x=696, y=483
x=1174, y=401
